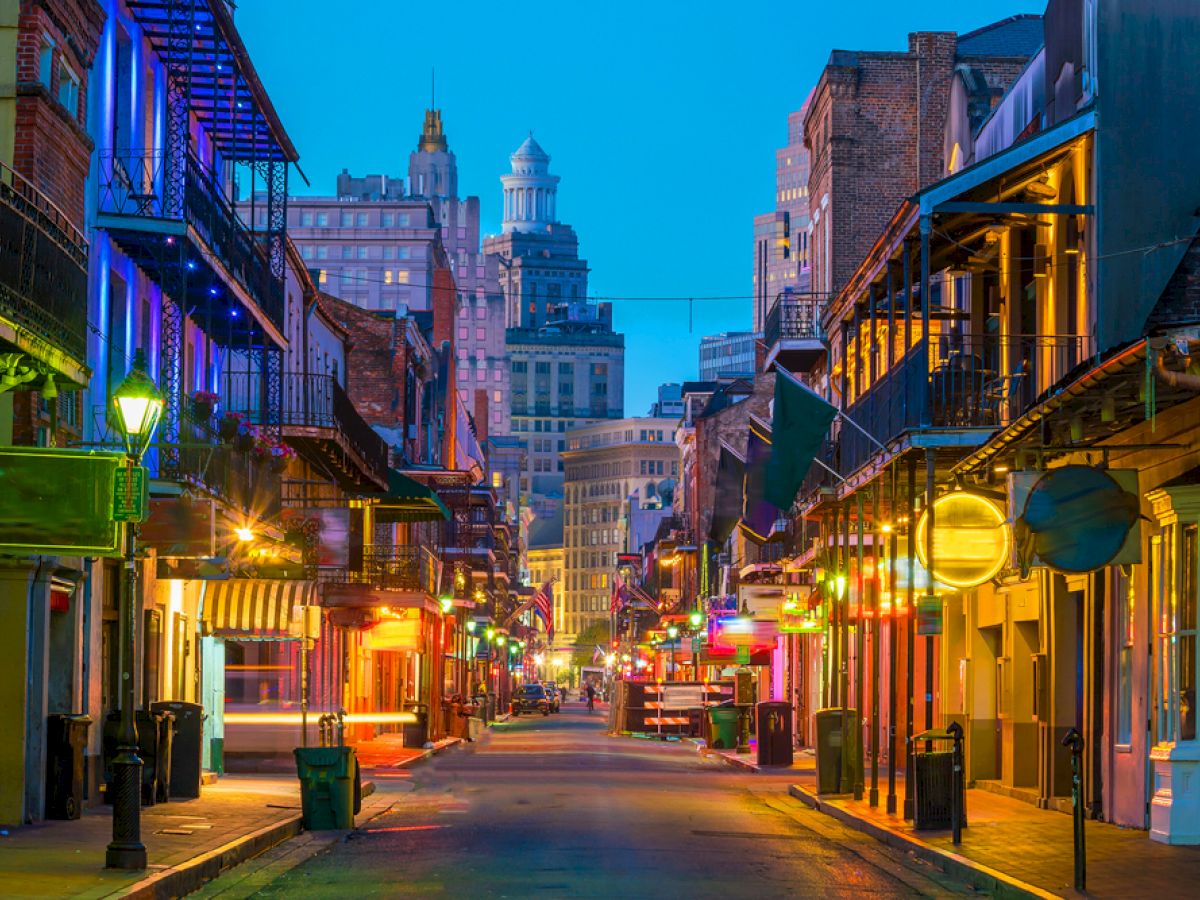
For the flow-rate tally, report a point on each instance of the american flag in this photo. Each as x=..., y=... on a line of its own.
x=618, y=593
x=543, y=605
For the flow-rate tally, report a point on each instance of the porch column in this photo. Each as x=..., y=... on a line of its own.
x=910, y=648
x=925, y=420
x=891, y=304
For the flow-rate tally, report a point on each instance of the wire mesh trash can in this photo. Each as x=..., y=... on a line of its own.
x=66, y=740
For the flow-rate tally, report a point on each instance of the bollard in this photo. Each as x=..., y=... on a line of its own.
x=1074, y=740
x=956, y=781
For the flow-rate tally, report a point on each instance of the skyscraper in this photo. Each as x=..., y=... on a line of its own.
x=376, y=243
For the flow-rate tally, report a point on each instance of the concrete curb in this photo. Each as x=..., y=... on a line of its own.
x=736, y=761
x=193, y=874
x=976, y=874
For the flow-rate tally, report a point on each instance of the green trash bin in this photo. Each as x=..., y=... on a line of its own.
x=830, y=748
x=723, y=727
x=327, y=782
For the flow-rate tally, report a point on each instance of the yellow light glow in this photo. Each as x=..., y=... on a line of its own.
x=293, y=718
x=971, y=539
x=244, y=534
x=886, y=528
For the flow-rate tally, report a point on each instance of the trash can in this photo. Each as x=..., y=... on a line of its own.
x=491, y=706
x=933, y=789
x=416, y=733
x=165, y=722
x=186, y=744
x=723, y=726
x=774, y=733
x=830, y=748
x=66, y=740
x=327, y=786
x=695, y=726
x=155, y=757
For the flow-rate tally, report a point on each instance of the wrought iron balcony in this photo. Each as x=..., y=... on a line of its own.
x=318, y=416
x=190, y=240
x=968, y=382
x=43, y=277
x=792, y=332
x=388, y=567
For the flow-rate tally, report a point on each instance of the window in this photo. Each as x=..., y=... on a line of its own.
x=542, y=368
x=306, y=252
x=1125, y=599
x=361, y=220
x=347, y=219
x=481, y=334
x=68, y=89
x=387, y=276
x=402, y=276
x=322, y=252
x=520, y=366
x=46, y=63
x=347, y=252
x=385, y=219
x=362, y=252
x=323, y=277
x=402, y=220
x=1174, y=580
x=306, y=218
x=322, y=219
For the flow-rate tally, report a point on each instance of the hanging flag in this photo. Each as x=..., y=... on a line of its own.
x=800, y=421
x=617, y=598
x=727, y=504
x=543, y=605
x=758, y=513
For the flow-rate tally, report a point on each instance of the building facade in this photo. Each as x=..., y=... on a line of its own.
x=609, y=466
x=730, y=354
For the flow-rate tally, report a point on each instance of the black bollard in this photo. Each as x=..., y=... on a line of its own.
x=956, y=782
x=1074, y=740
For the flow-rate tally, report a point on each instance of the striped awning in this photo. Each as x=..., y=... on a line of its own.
x=256, y=609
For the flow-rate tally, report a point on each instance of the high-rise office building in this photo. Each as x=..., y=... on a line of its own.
x=729, y=354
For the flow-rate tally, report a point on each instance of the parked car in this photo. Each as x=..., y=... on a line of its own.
x=530, y=698
x=554, y=695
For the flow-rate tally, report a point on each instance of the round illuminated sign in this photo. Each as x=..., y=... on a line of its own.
x=971, y=540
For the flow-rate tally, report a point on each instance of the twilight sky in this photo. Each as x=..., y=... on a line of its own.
x=662, y=118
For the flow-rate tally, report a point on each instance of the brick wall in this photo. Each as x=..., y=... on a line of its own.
x=1179, y=304
x=376, y=362
x=52, y=148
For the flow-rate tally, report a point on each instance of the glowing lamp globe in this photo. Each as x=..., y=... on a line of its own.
x=696, y=619
x=672, y=632
x=971, y=540
x=138, y=406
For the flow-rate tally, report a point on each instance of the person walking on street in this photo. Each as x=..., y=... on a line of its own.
x=591, y=692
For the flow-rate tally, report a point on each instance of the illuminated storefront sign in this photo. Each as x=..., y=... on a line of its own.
x=971, y=541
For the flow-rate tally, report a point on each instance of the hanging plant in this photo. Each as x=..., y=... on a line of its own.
x=246, y=437
x=204, y=404
x=229, y=425
x=281, y=455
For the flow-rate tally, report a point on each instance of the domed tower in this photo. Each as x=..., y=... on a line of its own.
x=530, y=191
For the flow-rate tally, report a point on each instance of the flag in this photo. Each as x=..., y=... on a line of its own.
x=800, y=421
x=598, y=654
x=727, y=505
x=543, y=605
x=758, y=513
x=617, y=597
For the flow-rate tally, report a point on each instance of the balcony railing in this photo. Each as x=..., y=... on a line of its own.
x=793, y=318
x=133, y=184
x=971, y=381
x=238, y=478
x=43, y=267
x=309, y=401
x=388, y=567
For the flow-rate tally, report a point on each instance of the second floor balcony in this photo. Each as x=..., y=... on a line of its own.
x=792, y=331
x=319, y=419
x=381, y=570
x=970, y=385
x=43, y=288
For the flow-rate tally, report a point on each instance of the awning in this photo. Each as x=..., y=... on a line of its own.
x=407, y=500
x=256, y=609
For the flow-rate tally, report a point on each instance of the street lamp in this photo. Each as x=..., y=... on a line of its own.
x=138, y=406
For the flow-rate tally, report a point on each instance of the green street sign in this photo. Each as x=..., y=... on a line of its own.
x=743, y=655
x=697, y=641
x=130, y=499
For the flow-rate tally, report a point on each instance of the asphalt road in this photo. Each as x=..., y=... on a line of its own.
x=553, y=807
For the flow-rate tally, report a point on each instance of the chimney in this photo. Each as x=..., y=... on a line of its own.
x=481, y=415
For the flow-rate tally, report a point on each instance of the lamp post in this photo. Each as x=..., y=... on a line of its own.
x=138, y=405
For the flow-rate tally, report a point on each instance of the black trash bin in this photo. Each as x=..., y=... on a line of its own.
x=186, y=745
x=66, y=741
x=774, y=733
x=153, y=748
x=831, y=747
x=416, y=733
x=933, y=791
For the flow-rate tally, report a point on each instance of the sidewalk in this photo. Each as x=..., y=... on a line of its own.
x=1012, y=848
x=187, y=842
x=388, y=751
x=803, y=761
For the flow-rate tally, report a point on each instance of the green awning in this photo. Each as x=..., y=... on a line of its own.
x=407, y=500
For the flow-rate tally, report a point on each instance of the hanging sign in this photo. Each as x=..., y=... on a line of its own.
x=971, y=540
x=801, y=612
x=929, y=615
x=130, y=496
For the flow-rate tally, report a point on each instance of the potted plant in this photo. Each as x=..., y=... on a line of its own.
x=204, y=404
x=281, y=455
x=229, y=425
x=246, y=437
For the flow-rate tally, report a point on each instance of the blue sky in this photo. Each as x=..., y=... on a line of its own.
x=661, y=117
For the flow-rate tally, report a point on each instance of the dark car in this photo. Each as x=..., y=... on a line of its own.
x=530, y=698
x=553, y=694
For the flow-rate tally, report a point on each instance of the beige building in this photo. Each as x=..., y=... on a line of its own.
x=604, y=466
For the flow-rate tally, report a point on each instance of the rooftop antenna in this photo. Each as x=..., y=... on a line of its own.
x=432, y=87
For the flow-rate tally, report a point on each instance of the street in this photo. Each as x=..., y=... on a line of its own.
x=554, y=807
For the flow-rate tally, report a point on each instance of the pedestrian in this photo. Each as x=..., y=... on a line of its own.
x=591, y=692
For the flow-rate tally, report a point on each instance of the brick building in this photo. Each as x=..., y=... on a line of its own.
x=863, y=131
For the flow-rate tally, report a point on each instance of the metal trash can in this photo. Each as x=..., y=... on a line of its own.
x=416, y=733
x=723, y=726
x=774, y=733
x=830, y=748
x=328, y=776
x=66, y=741
x=933, y=790
x=186, y=744
x=152, y=730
